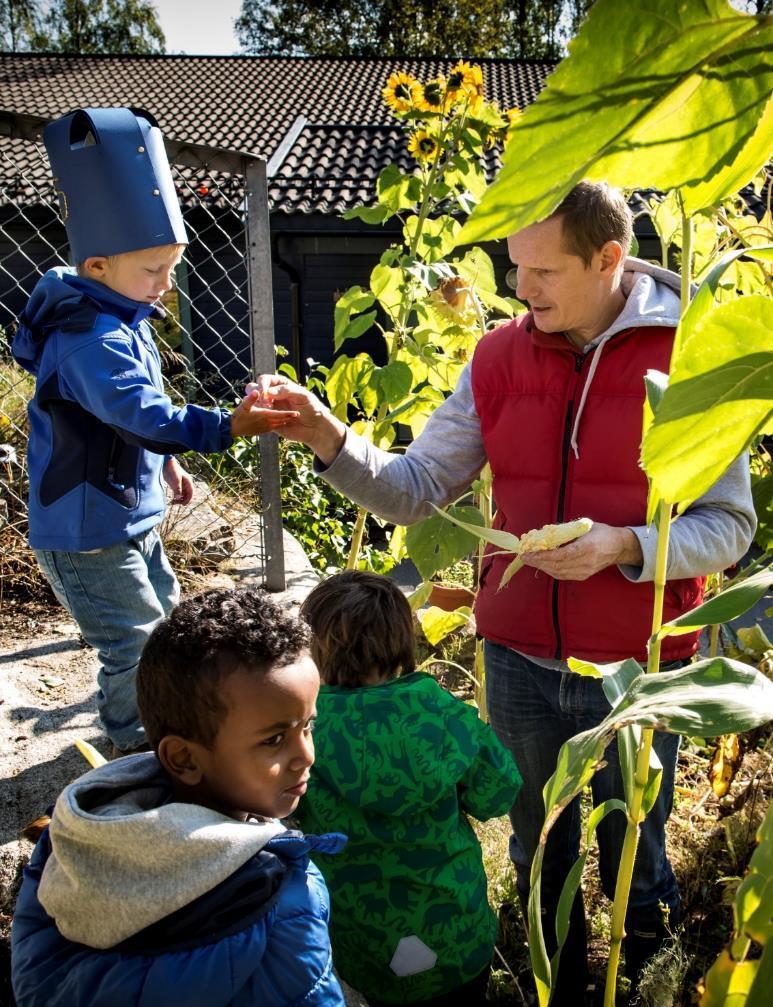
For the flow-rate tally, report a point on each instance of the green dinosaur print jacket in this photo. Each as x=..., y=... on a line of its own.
x=399, y=766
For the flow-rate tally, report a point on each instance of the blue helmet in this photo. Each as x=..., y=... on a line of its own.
x=113, y=181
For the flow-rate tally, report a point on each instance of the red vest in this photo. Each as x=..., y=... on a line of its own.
x=527, y=386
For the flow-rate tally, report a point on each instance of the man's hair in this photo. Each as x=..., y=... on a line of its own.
x=202, y=641
x=360, y=623
x=592, y=214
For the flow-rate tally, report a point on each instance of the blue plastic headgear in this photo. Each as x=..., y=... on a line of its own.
x=113, y=181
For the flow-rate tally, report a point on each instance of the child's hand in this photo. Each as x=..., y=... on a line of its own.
x=249, y=418
x=178, y=481
x=315, y=425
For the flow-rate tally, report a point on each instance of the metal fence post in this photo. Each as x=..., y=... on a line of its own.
x=261, y=315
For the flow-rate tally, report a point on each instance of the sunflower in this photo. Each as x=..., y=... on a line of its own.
x=423, y=145
x=454, y=300
x=513, y=115
x=400, y=92
x=466, y=81
x=431, y=97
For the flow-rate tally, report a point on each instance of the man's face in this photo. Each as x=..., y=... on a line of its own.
x=563, y=294
x=144, y=275
x=260, y=760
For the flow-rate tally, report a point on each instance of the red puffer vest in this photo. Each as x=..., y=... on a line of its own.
x=527, y=386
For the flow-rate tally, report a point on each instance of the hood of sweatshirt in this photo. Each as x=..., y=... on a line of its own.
x=63, y=300
x=124, y=855
x=652, y=298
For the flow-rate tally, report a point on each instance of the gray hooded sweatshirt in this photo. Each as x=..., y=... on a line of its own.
x=440, y=465
x=125, y=855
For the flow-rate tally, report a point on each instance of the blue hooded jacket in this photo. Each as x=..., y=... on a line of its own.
x=100, y=421
x=134, y=900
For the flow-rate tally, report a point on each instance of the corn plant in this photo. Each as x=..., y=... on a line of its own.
x=681, y=103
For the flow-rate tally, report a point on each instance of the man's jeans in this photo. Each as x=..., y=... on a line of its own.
x=116, y=595
x=533, y=711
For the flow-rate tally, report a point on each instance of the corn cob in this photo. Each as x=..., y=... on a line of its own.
x=549, y=536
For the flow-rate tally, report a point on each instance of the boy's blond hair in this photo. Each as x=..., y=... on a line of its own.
x=172, y=249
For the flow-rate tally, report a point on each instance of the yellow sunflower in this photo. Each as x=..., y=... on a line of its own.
x=513, y=115
x=431, y=97
x=423, y=145
x=400, y=92
x=466, y=81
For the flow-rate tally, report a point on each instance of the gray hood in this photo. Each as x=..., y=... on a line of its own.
x=124, y=855
x=652, y=297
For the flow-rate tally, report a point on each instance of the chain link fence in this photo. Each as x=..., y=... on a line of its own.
x=217, y=333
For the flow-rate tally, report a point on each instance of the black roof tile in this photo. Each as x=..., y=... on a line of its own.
x=248, y=104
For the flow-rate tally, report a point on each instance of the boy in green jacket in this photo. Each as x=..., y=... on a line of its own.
x=400, y=764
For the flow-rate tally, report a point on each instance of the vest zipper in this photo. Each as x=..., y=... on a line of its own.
x=565, y=446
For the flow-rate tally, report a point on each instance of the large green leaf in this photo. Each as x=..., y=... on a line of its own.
x=433, y=544
x=349, y=376
x=386, y=282
x=734, y=176
x=393, y=382
x=703, y=301
x=727, y=605
x=720, y=395
x=676, y=98
x=437, y=624
x=398, y=191
x=708, y=698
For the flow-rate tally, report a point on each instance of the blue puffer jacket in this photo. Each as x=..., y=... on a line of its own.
x=100, y=421
x=257, y=939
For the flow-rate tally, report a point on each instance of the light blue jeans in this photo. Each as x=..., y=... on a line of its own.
x=533, y=711
x=116, y=595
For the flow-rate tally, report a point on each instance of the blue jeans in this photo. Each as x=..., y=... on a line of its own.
x=116, y=595
x=533, y=711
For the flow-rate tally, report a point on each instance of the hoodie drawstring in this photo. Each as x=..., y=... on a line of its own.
x=593, y=365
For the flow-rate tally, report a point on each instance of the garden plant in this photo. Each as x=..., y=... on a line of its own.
x=681, y=104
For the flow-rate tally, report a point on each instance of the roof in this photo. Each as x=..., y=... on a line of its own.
x=344, y=133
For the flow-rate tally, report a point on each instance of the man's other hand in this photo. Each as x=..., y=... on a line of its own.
x=603, y=546
x=313, y=423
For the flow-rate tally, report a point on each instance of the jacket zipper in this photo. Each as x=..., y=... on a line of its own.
x=112, y=459
x=565, y=447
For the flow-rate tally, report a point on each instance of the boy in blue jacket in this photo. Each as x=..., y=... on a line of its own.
x=168, y=878
x=103, y=433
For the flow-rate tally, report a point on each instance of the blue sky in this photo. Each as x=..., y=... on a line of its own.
x=199, y=27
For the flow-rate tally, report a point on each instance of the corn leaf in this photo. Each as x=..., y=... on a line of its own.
x=727, y=605
x=505, y=540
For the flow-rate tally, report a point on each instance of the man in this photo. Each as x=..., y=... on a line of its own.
x=553, y=401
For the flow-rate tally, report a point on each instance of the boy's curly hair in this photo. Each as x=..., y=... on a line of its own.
x=361, y=623
x=203, y=640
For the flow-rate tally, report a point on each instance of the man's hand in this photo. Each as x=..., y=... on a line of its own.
x=251, y=418
x=601, y=547
x=178, y=481
x=313, y=424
